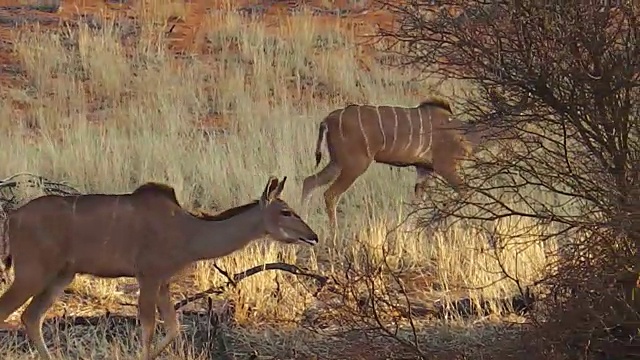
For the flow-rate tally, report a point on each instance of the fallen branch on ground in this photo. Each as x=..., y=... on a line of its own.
x=236, y=278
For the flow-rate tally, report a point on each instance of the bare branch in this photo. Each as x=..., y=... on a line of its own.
x=236, y=278
x=33, y=181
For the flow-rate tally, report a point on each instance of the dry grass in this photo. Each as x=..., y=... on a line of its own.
x=106, y=117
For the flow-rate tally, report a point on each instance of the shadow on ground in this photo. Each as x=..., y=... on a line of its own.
x=204, y=335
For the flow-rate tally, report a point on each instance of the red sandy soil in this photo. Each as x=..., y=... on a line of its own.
x=186, y=33
x=185, y=37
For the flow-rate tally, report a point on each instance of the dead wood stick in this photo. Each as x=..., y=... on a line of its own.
x=236, y=278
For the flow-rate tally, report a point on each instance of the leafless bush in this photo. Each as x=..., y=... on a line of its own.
x=565, y=76
x=371, y=303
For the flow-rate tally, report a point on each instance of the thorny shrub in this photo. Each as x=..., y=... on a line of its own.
x=565, y=75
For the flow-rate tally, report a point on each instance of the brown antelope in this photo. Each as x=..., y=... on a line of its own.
x=145, y=234
x=426, y=137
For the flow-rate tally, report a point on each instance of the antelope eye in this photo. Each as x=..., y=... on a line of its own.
x=286, y=213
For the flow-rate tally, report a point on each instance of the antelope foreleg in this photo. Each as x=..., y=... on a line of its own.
x=423, y=174
x=147, y=301
x=333, y=194
x=331, y=204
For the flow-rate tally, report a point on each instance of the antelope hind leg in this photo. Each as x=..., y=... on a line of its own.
x=168, y=315
x=17, y=294
x=333, y=194
x=25, y=285
x=33, y=315
x=323, y=177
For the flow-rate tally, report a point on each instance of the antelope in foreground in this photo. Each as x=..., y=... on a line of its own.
x=145, y=234
x=425, y=137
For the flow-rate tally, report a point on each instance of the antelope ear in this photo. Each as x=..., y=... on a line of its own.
x=267, y=194
x=280, y=188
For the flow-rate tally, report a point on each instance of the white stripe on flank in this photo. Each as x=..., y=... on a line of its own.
x=384, y=137
x=364, y=135
x=395, y=128
x=421, y=133
x=408, y=113
x=73, y=207
x=430, y=136
x=340, y=122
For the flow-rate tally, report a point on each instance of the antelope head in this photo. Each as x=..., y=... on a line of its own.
x=281, y=222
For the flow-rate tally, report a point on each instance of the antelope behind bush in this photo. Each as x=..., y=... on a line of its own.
x=145, y=234
x=426, y=137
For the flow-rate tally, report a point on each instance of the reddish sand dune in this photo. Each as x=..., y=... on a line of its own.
x=185, y=33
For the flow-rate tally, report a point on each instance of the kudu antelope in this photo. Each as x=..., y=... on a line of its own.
x=426, y=137
x=145, y=234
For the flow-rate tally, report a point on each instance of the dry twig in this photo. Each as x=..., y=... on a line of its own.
x=236, y=278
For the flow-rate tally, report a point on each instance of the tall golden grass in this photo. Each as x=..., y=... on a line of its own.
x=106, y=117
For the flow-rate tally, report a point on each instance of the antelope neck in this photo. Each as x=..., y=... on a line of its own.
x=211, y=238
x=476, y=133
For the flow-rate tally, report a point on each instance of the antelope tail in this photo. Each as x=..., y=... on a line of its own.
x=322, y=130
